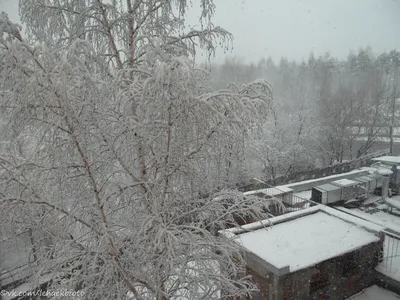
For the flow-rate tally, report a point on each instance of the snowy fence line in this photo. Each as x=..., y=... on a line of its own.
x=301, y=203
x=344, y=167
x=284, y=195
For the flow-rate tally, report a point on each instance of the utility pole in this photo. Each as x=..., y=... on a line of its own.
x=393, y=108
x=395, y=64
x=392, y=125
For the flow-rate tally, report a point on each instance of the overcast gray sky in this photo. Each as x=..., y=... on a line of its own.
x=294, y=28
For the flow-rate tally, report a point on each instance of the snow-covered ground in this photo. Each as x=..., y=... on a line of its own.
x=379, y=217
x=391, y=250
x=374, y=293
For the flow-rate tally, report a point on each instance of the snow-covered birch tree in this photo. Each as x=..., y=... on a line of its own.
x=109, y=129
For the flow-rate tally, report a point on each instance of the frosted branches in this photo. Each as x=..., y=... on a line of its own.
x=118, y=162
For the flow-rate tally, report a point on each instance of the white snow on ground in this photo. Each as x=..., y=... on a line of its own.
x=391, y=250
x=381, y=218
x=374, y=293
x=372, y=199
x=305, y=241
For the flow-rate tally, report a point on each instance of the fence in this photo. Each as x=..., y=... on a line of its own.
x=390, y=265
x=363, y=161
x=284, y=196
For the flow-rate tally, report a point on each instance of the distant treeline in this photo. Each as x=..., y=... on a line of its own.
x=322, y=107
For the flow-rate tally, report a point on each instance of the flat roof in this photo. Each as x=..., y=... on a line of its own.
x=306, y=240
x=327, y=187
x=345, y=182
x=388, y=159
x=384, y=171
x=361, y=171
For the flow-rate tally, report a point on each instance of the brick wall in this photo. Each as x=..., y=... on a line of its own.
x=337, y=278
x=263, y=283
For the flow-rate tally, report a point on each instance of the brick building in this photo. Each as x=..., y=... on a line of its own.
x=316, y=253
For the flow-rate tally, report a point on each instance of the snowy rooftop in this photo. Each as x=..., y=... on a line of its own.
x=344, y=182
x=384, y=171
x=303, y=239
x=360, y=172
x=378, y=169
x=374, y=293
x=327, y=187
x=388, y=159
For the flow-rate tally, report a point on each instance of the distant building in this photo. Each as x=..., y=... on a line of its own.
x=315, y=253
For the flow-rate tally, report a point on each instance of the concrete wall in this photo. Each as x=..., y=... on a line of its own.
x=338, y=286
